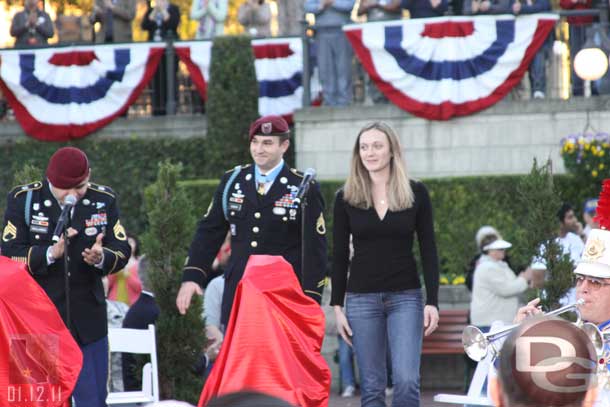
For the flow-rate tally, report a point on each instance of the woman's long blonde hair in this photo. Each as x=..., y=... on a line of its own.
x=358, y=187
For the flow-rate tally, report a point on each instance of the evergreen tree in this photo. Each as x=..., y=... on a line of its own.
x=180, y=338
x=539, y=201
x=232, y=102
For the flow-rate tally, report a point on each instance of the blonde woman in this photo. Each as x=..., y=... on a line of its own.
x=383, y=210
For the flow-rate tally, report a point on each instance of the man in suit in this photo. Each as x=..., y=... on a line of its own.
x=97, y=247
x=256, y=204
x=115, y=17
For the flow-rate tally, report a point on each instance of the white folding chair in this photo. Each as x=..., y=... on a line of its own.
x=475, y=396
x=140, y=341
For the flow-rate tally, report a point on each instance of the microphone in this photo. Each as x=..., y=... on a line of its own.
x=69, y=202
x=308, y=176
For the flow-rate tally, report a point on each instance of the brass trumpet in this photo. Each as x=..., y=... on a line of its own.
x=477, y=344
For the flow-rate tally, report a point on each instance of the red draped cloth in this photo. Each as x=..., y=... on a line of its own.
x=273, y=339
x=39, y=360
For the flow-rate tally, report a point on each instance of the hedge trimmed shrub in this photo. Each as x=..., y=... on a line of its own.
x=232, y=102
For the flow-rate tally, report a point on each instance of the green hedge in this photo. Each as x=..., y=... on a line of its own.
x=461, y=206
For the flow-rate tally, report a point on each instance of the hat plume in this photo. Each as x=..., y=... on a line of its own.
x=603, y=206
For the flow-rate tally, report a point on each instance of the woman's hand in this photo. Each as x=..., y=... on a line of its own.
x=430, y=319
x=342, y=325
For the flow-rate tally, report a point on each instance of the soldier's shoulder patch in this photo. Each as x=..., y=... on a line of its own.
x=9, y=233
x=119, y=231
x=32, y=186
x=103, y=189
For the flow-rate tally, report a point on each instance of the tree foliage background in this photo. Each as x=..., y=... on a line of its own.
x=180, y=338
x=539, y=200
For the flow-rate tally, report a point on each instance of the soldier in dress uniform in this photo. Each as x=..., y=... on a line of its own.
x=256, y=204
x=97, y=247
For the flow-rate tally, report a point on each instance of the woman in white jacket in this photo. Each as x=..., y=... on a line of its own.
x=495, y=287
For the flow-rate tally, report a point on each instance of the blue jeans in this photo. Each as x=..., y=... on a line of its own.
x=335, y=66
x=394, y=319
x=346, y=364
x=537, y=70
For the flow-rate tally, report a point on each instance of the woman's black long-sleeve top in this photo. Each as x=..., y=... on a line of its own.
x=383, y=248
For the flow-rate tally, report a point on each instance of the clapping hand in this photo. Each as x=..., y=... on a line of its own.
x=32, y=19
x=93, y=255
x=57, y=250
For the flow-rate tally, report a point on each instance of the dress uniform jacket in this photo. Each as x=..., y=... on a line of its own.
x=31, y=215
x=260, y=224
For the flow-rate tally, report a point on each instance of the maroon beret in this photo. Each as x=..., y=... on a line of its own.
x=67, y=168
x=269, y=126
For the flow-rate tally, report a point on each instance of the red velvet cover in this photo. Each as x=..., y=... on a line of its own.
x=273, y=339
x=39, y=360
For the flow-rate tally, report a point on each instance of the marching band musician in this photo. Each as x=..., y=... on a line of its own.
x=592, y=283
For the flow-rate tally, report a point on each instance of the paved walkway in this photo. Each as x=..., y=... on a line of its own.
x=426, y=399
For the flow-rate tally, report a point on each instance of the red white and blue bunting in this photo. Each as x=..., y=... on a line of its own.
x=438, y=68
x=59, y=94
x=279, y=67
x=434, y=68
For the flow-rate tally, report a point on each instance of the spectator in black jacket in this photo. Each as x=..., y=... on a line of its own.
x=425, y=8
x=31, y=26
x=142, y=313
x=161, y=22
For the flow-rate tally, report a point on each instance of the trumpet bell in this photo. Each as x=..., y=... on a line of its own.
x=475, y=343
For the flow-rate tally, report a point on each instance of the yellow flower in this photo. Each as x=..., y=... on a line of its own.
x=587, y=147
x=605, y=145
x=601, y=166
x=581, y=141
x=602, y=153
x=594, y=173
x=444, y=280
x=458, y=280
